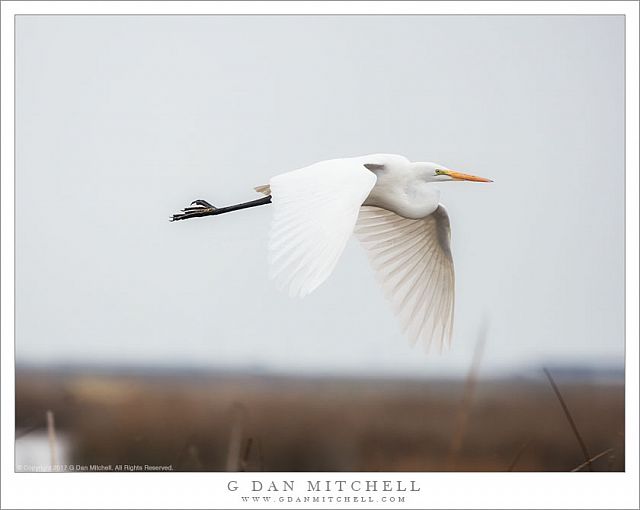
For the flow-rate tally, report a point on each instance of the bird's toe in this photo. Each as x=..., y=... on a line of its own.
x=202, y=203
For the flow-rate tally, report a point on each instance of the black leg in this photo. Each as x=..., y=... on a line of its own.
x=204, y=208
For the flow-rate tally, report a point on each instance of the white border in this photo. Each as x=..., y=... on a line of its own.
x=208, y=490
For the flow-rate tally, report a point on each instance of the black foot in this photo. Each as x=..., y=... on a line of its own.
x=203, y=208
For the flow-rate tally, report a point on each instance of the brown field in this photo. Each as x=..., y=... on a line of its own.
x=200, y=422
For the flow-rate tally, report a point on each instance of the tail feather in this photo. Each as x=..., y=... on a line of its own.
x=265, y=189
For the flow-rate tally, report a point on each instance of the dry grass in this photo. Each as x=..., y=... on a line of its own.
x=215, y=423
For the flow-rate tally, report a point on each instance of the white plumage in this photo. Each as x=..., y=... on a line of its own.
x=393, y=206
x=412, y=260
x=315, y=212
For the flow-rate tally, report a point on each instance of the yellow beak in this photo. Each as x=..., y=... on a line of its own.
x=459, y=176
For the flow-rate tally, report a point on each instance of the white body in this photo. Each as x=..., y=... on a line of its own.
x=402, y=187
x=393, y=206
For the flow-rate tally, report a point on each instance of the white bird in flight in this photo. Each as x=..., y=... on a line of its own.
x=392, y=205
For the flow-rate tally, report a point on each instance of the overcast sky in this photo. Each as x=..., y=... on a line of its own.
x=121, y=121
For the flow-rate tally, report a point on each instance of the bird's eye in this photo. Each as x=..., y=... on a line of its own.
x=438, y=172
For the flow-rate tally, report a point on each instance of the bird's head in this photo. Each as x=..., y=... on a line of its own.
x=440, y=173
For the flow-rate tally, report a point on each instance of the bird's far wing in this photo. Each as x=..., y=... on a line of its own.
x=412, y=259
x=315, y=211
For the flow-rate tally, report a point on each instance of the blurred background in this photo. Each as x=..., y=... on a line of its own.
x=152, y=342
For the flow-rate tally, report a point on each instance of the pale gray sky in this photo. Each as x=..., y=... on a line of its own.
x=120, y=121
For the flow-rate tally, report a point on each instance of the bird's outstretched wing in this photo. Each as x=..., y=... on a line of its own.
x=412, y=259
x=315, y=211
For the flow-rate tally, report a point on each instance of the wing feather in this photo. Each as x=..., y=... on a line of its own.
x=412, y=260
x=315, y=211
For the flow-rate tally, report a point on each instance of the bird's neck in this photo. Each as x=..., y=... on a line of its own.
x=414, y=200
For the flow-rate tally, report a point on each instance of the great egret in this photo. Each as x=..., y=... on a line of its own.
x=393, y=207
